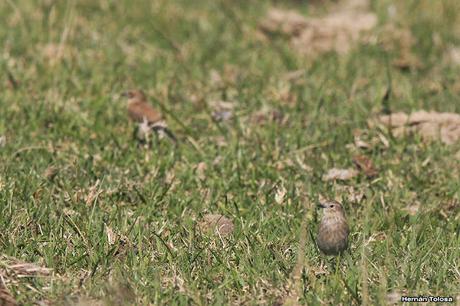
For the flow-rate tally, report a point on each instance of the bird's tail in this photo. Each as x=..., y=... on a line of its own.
x=164, y=129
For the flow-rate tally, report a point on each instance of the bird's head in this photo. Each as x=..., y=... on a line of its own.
x=331, y=207
x=134, y=96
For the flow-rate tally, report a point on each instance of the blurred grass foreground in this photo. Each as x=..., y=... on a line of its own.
x=276, y=105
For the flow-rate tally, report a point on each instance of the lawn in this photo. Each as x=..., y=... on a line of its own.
x=258, y=123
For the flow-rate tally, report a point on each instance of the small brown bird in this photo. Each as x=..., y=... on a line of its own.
x=333, y=230
x=148, y=118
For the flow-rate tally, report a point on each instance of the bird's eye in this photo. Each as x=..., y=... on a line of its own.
x=331, y=206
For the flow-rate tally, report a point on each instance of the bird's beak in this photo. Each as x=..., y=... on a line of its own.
x=321, y=205
x=124, y=94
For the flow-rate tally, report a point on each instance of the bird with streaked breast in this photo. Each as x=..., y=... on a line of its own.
x=148, y=118
x=332, y=238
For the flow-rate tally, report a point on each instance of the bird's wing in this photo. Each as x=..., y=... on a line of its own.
x=143, y=111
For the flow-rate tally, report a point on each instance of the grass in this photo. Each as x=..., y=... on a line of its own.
x=71, y=60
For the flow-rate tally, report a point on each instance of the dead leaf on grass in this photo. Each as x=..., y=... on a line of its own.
x=302, y=164
x=286, y=22
x=94, y=192
x=352, y=194
x=450, y=208
x=452, y=55
x=451, y=205
x=216, y=223
x=399, y=39
x=430, y=125
x=69, y=212
x=294, y=76
x=413, y=208
x=362, y=140
x=51, y=172
x=365, y=165
x=12, y=270
x=23, y=269
x=201, y=170
x=111, y=236
x=407, y=61
x=223, y=115
x=338, y=31
x=55, y=52
x=283, y=164
x=170, y=177
x=222, y=110
x=339, y=174
x=319, y=270
x=6, y=299
x=268, y=115
x=378, y=236
x=215, y=78
x=280, y=194
x=361, y=144
x=396, y=38
x=227, y=78
x=221, y=141
x=433, y=86
x=283, y=93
